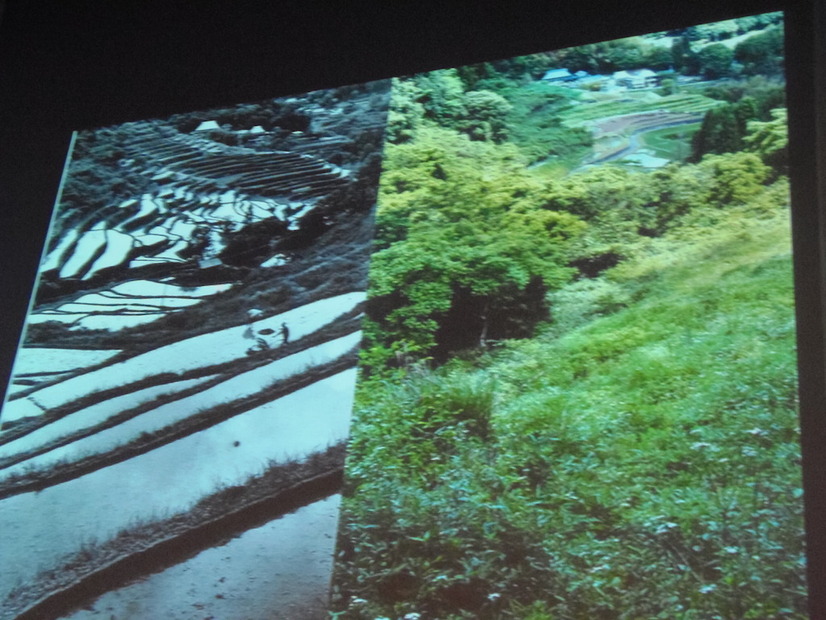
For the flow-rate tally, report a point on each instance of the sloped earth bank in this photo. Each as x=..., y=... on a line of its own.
x=201, y=288
x=277, y=570
x=153, y=547
x=47, y=526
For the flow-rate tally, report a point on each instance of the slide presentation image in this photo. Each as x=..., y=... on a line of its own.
x=578, y=390
x=507, y=341
x=183, y=391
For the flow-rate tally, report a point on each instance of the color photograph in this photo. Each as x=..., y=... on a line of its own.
x=577, y=391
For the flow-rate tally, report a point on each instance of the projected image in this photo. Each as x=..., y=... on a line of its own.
x=577, y=395
x=180, y=402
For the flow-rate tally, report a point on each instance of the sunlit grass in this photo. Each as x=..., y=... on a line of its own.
x=641, y=462
x=672, y=143
x=627, y=102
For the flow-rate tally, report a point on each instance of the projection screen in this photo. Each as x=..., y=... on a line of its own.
x=513, y=339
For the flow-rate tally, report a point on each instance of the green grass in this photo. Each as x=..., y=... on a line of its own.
x=634, y=103
x=639, y=459
x=672, y=143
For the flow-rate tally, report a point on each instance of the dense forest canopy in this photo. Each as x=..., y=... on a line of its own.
x=467, y=228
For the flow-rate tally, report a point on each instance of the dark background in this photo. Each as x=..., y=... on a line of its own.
x=75, y=64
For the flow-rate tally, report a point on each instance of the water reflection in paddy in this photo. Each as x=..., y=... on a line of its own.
x=279, y=570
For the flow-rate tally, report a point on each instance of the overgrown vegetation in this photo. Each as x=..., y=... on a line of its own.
x=578, y=395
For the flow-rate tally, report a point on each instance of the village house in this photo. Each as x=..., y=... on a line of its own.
x=558, y=75
x=636, y=78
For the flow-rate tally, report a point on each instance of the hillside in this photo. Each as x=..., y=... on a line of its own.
x=577, y=393
x=639, y=455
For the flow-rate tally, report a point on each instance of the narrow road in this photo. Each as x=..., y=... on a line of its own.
x=633, y=143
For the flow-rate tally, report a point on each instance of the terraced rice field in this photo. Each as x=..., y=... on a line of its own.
x=621, y=123
x=635, y=103
x=278, y=579
x=189, y=362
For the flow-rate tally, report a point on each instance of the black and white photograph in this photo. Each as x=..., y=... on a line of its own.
x=187, y=371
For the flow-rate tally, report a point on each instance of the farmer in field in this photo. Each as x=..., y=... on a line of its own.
x=285, y=333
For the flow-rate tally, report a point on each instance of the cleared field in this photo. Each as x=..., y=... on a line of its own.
x=673, y=143
x=691, y=103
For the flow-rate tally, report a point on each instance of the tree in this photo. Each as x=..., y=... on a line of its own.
x=485, y=116
x=770, y=140
x=441, y=93
x=735, y=177
x=405, y=112
x=717, y=133
x=723, y=128
x=715, y=61
x=762, y=53
x=462, y=231
x=659, y=58
x=685, y=60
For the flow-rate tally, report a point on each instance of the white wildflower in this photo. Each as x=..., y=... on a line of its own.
x=664, y=527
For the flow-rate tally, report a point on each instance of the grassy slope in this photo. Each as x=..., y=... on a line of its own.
x=639, y=459
x=672, y=142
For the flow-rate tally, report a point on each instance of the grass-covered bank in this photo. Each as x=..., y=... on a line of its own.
x=152, y=545
x=638, y=458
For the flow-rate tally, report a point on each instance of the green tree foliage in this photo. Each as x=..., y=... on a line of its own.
x=441, y=94
x=659, y=58
x=644, y=461
x=637, y=453
x=605, y=57
x=767, y=93
x=439, y=98
x=405, y=113
x=484, y=116
x=459, y=222
x=723, y=128
x=684, y=57
x=715, y=61
x=685, y=193
x=770, y=140
x=762, y=53
x=757, y=22
x=717, y=31
x=719, y=133
x=611, y=199
x=735, y=178
x=534, y=122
